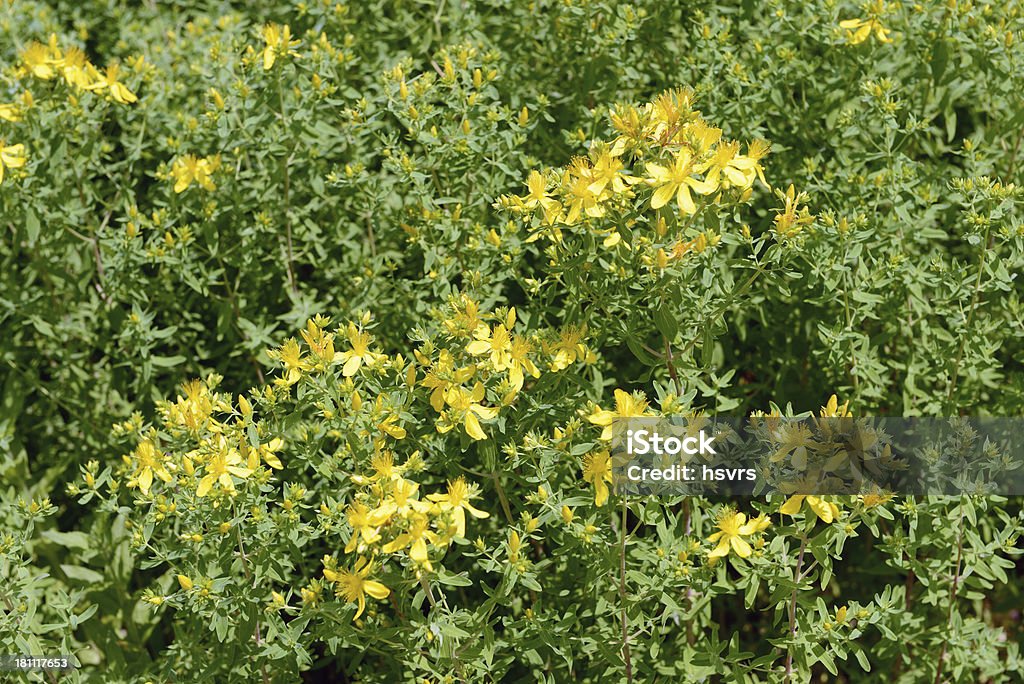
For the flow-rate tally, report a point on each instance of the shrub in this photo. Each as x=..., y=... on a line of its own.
x=362, y=287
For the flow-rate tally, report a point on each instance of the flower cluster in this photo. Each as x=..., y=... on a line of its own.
x=859, y=30
x=664, y=148
x=49, y=61
x=189, y=169
x=388, y=519
x=205, y=444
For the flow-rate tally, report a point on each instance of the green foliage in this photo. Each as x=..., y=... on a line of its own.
x=394, y=467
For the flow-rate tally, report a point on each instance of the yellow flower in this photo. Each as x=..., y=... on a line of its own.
x=582, y=200
x=149, y=462
x=278, y=40
x=825, y=510
x=415, y=537
x=11, y=157
x=626, y=406
x=442, y=376
x=521, y=346
x=223, y=464
x=38, y=60
x=359, y=354
x=185, y=582
x=118, y=91
x=290, y=354
x=833, y=410
x=311, y=594
x=10, y=112
x=730, y=168
x=190, y=169
x=365, y=524
x=457, y=500
x=732, y=527
x=608, y=171
x=498, y=344
x=538, y=196
x=597, y=470
x=793, y=217
x=76, y=69
x=676, y=181
x=354, y=586
x=569, y=347
x=858, y=30
x=467, y=409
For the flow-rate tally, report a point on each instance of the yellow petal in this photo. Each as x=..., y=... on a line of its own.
x=722, y=549
x=741, y=547
x=145, y=480
x=351, y=366
x=473, y=428
x=477, y=347
x=792, y=505
x=686, y=204
x=205, y=485
x=662, y=195
x=376, y=590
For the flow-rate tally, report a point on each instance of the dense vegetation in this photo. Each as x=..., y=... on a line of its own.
x=316, y=316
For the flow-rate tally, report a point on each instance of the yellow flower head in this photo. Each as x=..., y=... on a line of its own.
x=457, y=501
x=11, y=157
x=626, y=406
x=190, y=169
x=148, y=462
x=732, y=528
x=354, y=585
x=859, y=30
x=278, y=43
x=597, y=470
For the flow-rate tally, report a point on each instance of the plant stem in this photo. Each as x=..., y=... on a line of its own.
x=797, y=577
x=290, y=256
x=955, y=375
x=953, y=590
x=248, y=576
x=626, y=657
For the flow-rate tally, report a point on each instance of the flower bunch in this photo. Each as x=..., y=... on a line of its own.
x=665, y=152
x=48, y=61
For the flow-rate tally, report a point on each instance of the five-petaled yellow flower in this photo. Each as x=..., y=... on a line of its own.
x=190, y=169
x=354, y=586
x=223, y=464
x=149, y=462
x=497, y=344
x=597, y=470
x=457, y=501
x=467, y=409
x=11, y=157
x=359, y=354
x=119, y=92
x=626, y=406
x=676, y=181
x=732, y=527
